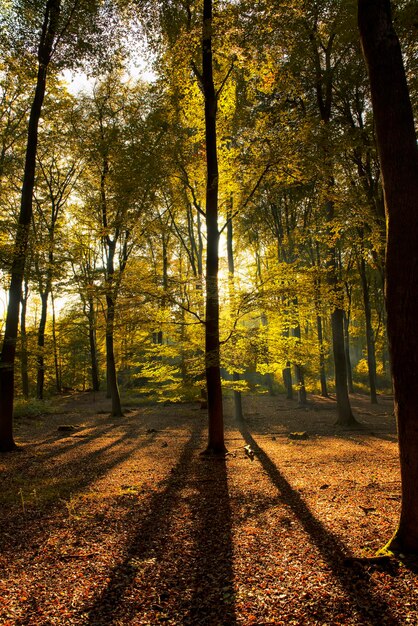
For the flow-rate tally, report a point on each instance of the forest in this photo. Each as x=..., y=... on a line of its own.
x=209, y=273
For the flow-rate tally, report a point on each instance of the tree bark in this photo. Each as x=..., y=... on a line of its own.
x=344, y=413
x=24, y=343
x=324, y=95
x=40, y=377
x=58, y=385
x=322, y=373
x=287, y=381
x=346, y=321
x=95, y=379
x=371, y=355
x=319, y=324
x=398, y=153
x=8, y=353
x=216, y=443
x=345, y=416
x=299, y=373
x=112, y=380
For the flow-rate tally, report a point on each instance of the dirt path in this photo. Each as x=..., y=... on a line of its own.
x=122, y=522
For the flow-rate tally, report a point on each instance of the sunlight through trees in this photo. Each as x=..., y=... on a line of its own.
x=213, y=224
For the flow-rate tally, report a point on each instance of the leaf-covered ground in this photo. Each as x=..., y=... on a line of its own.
x=121, y=521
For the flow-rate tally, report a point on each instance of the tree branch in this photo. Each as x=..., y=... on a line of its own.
x=227, y=75
x=248, y=199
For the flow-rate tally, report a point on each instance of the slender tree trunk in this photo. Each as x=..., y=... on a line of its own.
x=322, y=373
x=238, y=414
x=324, y=94
x=287, y=373
x=287, y=381
x=183, y=368
x=199, y=289
x=299, y=373
x=24, y=343
x=112, y=379
x=267, y=378
x=398, y=153
x=350, y=384
x=316, y=257
x=111, y=294
x=58, y=385
x=95, y=379
x=371, y=354
x=345, y=416
x=8, y=353
x=40, y=377
x=300, y=383
x=216, y=443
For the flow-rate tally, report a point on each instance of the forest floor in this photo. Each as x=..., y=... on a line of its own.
x=121, y=521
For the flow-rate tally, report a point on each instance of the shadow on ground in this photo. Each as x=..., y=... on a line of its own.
x=184, y=552
x=354, y=580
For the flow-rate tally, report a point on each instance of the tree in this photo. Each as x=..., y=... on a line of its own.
x=216, y=443
x=57, y=32
x=84, y=263
x=57, y=173
x=324, y=62
x=398, y=153
x=45, y=49
x=120, y=144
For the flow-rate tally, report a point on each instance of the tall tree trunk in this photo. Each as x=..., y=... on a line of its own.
x=345, y=416
x=231, y=276
x=322, y=373
x=371, y=355
x=111, y=295
x=267, y=378
x=159, y=335
x=216, y=443
x=398, y=153
x=8, y=353
x=348, y=365
x=287, y=381
x=324, y=94
x=299, y=373
x=24, y=343
x=58, y=385
x=40, y=376
x=112, y=379
x=316, y=257
x=199, y=289
x=95, y=379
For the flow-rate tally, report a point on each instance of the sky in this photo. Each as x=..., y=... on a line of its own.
x=79, y=81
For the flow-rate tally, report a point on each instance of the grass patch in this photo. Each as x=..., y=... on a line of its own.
x=37, y=492
x=32, y=408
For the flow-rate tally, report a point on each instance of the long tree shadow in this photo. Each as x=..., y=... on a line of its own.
x=213, y=599
x=71, y=478
x=177, y=565
x=150, y=539
x=69, y=441
x=355, y=582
